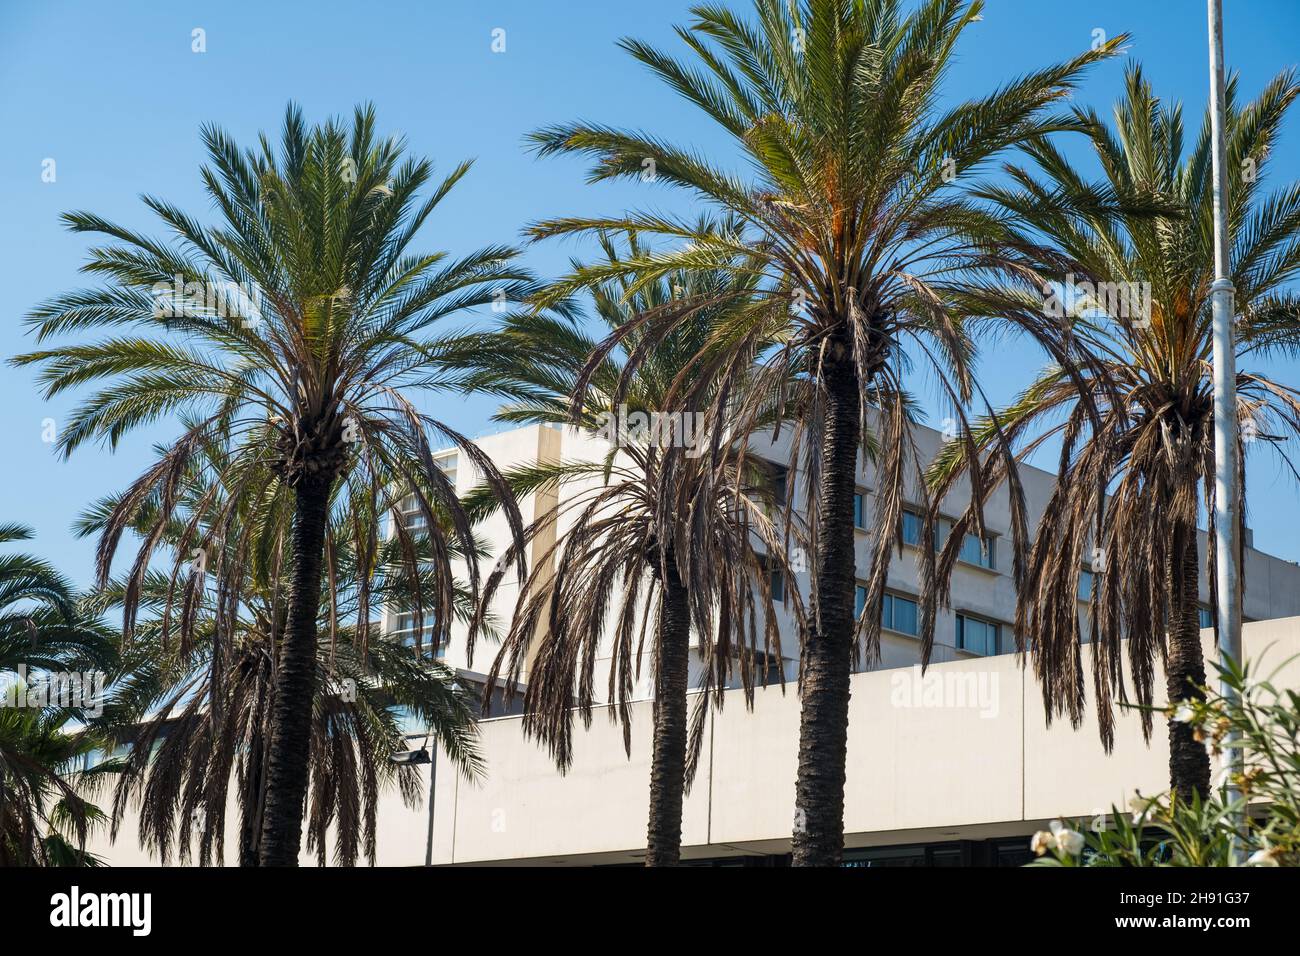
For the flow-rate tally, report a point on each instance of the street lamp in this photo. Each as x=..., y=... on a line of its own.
x=1226, y=519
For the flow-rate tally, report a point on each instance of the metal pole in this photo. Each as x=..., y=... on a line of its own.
x=433, y=779
x=1226, y=518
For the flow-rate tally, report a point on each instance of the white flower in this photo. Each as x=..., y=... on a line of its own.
x=1140, y=805
x=1071, y=841
x=1263, y=857
x=1042, y=842
x=1184, y=714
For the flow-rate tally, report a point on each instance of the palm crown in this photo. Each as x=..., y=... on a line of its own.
x=854, y=226
x=1134, y=410
x=856, y=221
x=287, y=334
x=289, y=330
x=687, y=505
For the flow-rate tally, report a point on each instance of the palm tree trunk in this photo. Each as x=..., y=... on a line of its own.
x=1189, y=763
x=295, y=685
x=818, y=838
x=668, y=763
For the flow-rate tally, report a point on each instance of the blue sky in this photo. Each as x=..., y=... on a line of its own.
x=115, y=96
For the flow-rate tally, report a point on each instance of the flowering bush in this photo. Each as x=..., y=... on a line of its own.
x=1260, y=826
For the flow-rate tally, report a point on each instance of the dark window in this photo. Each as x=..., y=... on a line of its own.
x=778, y=585
x=974, y=549
x=775, y=479
x=404, y=630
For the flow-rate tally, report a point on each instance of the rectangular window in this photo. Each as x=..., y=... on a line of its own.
x=974, y=550
x=981, y=552
x=767, y=667
x=912, y=524
x=979, y=636
x=778, y=585
x=408, y=512
x=1086, y=578
x=860, y=511
x=411, y=516
x=899, y=614
x=978, y=552
x=1206, y=617
x=404, y=630
x=775, y=579
x=775, y=477
x=446, y=462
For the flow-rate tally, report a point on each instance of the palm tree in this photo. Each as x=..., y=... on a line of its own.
x=44, y=814
x=671, y=533
x=287, y=332
x=196, y=719
x=854, y=214
x=1135, y=413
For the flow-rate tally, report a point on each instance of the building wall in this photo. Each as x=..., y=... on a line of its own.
x=925, y=764
x=918, y=769
x=1272, y=585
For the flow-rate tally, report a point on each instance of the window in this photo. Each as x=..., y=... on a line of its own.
x=404, y=630
x=974, y=550
x=408, y=512
x=899, y=614
x=860, y=511
x=410, y=515
x=912, y=524
x=1205, y=616
x=776, y=579
x=768, y=667
x=979, y=636
x=447, y=463
x=980, y=552
x=775, y=477
x=407, y=721
x=1086, y=578
x=778, y=585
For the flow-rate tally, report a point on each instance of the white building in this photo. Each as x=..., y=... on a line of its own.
x=955, y=768
x=977, y=624
x=962, y=782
